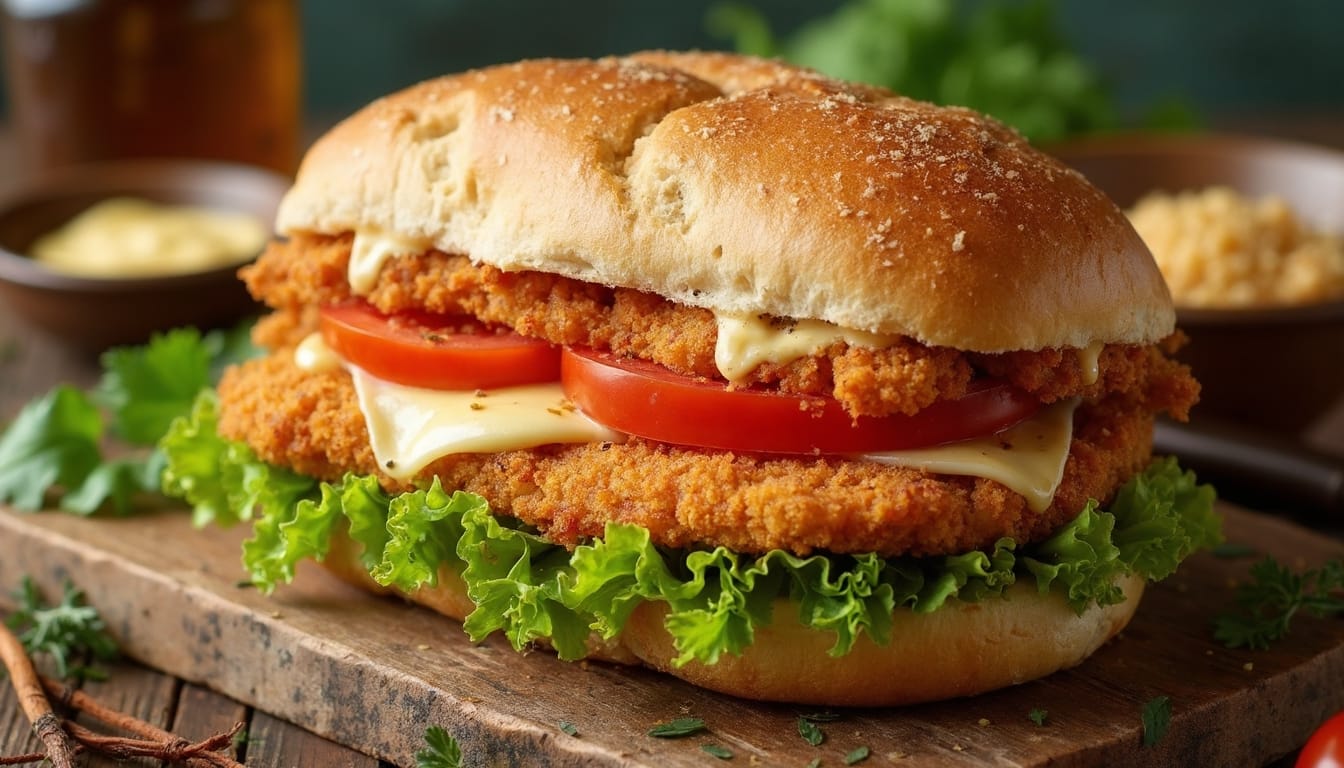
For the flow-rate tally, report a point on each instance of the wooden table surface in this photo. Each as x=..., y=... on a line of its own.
x=31, y=361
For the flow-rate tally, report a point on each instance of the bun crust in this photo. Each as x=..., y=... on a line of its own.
x=744, y=186
x=959, y=650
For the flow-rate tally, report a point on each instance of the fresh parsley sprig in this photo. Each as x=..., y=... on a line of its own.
x=1271, y=598
x=56, y=441
x=1156, y=719
x=441, y=750
x=67, y=632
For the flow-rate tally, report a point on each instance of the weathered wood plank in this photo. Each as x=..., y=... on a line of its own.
x=137, y=691
x=16, y=733
x=274, y=743
x=202, y=713
x=374, y=673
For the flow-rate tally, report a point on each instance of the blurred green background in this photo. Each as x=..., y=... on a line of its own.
x=1228, y=57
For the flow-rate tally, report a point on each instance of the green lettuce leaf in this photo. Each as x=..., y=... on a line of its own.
x=223, y=480
x=514, y=577
x=366, y=505
x=284, y=534
x=1161, y=518
x=1157, y=520
x=423, y=529
x=529, y=589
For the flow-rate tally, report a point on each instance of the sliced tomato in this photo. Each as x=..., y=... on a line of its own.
x=435, y=351
x=644, y=399
x=1325, y=748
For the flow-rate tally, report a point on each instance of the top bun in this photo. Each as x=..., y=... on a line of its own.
x=744, y=186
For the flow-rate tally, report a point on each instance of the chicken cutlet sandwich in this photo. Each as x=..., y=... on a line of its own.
x=793, y=388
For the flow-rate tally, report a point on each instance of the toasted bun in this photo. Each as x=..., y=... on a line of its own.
x=744, y=186
x=960, y=650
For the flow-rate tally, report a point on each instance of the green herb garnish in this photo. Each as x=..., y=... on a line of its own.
x=810, y=732
x=56, y=441
x=441, y=750
x=857, y=755
x=723, y=753
x=1037, y=715
x=568, y=728
x=1229, y=551
x=1156, y=720
x=1274, y=595
x=67, y=631
x=675, y=729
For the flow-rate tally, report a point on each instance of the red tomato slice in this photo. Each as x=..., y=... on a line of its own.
x=435, y=351
x=1325, y=749
x=644, y=399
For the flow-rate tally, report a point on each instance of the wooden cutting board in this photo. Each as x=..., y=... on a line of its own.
x=373, y=673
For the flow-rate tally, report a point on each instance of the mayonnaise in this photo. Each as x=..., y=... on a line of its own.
x=128, y=237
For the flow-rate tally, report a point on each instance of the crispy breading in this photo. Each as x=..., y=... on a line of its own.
x=311, y=422
x=310, y=270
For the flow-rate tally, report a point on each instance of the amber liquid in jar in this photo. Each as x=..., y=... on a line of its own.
x=93, y=80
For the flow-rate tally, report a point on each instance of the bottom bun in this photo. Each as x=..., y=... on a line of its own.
x=961, y=649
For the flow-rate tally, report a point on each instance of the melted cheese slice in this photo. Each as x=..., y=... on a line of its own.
x=370, y=251
x=410, y=427
x=746, y=341
x=1028, y=458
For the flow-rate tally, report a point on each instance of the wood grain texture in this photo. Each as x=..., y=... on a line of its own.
x=374, y=673
x=143, y=693
x=273, y=743
x=201, y=713
x=16, y=733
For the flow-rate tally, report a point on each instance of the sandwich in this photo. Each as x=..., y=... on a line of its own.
x=793, y=388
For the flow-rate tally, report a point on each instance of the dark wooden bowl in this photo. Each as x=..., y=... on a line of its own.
x=1280, y=368
x=95, y=313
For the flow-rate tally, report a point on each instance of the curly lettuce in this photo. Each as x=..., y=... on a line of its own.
x=529, y=589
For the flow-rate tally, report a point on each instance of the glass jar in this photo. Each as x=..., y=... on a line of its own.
x=94, y=80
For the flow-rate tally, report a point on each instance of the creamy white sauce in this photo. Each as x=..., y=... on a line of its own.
x=1089, y=358
x=1028, y=458
x=370, y=251
x=313, y=355
x=746, y=341
x=130, y=237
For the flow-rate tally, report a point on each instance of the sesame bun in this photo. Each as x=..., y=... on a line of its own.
x=960, y=650
x=744, y=186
